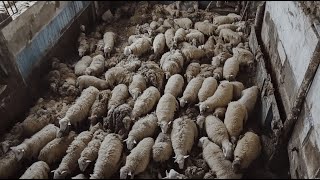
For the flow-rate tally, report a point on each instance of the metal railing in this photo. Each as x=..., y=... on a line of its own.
x=10, y=9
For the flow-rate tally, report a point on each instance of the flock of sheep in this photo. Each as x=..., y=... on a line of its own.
x=139, y=112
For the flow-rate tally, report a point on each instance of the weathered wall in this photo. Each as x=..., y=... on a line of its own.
x=290, y=41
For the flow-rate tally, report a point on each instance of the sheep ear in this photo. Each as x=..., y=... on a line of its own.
x=186, y=156
x=88, y=161
x=134, y=141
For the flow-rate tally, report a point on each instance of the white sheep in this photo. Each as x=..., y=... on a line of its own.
x=247, y=150
x=209, y=46
x=145, y=103
x=159, y=44
x=162, y=148
x=9, y=165
x=229, y=36
x=80, y=109
x=190, y=94
x=138, y=48
x=69, y=163
x=31, y=147
x=137, y=86
x=184, y=23
x=215, y=158
x=83, y=46
x=238, y=87
x=169, y=36
x=172, y=63
x=219, y=60
x=85, y=81
x=56, y=149
x=174, y=85
x=38, y=170
x=196, y=37
x=218, y=133
x=205, y=27
x=183, y=135
x=118, y=75
x=81, y=66
x=119, y=95
x=96, y=67
x=34, y=123
x=90, y=153
x=100, y=106
x=233, y=27
x=235, y=118
x=218, y=73
x=165, y=110
x=193, y=53
x=109, y=39
x=179, y=36
x=208, y=88
x=220, y=112
x=138, y=159
x=192, y=71
x=220, y=98
x=249, y=98
x=219, y=20
x=109, y=157
x=245, y=57
x=144, y=127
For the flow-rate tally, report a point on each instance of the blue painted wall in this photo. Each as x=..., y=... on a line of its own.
x=48, y=37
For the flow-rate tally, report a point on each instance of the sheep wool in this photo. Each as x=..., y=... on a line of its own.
x=137, y=86
x=165, y=110
x=81, y=66
x=220, y=112
x=205, y=27
x=109, y=39
x=38, y=170
x=69, y=162
x=145, y=103
x=247, y=150
x=233, y=27
x=56, y=149
x=190, y=94
x=80, y=109
x=96, y=67
x=245, y=57
x=118, y=75
x=208, y=87
x=219, y=20
x=90, y=153
x=169, y=36
x=230, y=36
x=196, y=37
x=218, y=133
x=138, y=48
x=119, y=96
x=162, y=148
x=144, y=127
x=220, y=98
x=100, y=106
x=235, y=119
x=174, y=85
x=31, y=147
x=179, y=35
x=249, y=97
x=184, y=23
x=109, y=157
x=230, y=69
x=9, y=165
x=85, y=81
x=192, y=71
x=33, y=124
x=159, y=44
x=193, y=53
x=184, y=133
x=138, y=160
x=214, y=157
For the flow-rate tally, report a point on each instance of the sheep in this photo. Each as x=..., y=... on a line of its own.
x=219, y=20
x=247, y=150
x=154, y=25
x=184, y=23
x=218, y=133
x=230, y=69
x=174, y=85
x=31, y=147
x=193, y=53
x=183, y=135
x=220, y=112
x=109, y=157
x=145, y=103
x=220, y=48
x=85, y=81
x=162, y=148
x=138, y=48
x=80, y=176
x=236, y=17
x=233, y=27
x=220, y=98
x=159, y=44
x=245, y=57
x=192, y=71
x=174, y=175
x=69, y=163
x=92, y=44
x=169, y=36
x=153, y=74
x=144, y=127
x=80, y=109
x=12, y=138
x=131, y=64
x=137, y=86
x=83, y=47
x=190, y=94
x=249, y=98
x=56, y=149
x=135, y=37
x=205, y=27
x=9, y=165
x=235, y=118
x=138, y=160
x=109, y=39
x=219, y=60
x=209, y=46
x=172, y=63
x=179, y=36
x=229, y=36
x=38, y=170
x=100, y=106
x=119, y=95
x=168, y=23
x=196, y=37
x=96, y=67
x=165, y=110
x=208, y=87
x=81, y=66
x=201, y=120
x=238, y=87
x=215, y=158
x=34, y=123
x=90, y=153
x=118, y=75
x=218, y=73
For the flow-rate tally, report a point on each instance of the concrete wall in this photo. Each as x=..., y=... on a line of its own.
x=290, y=41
